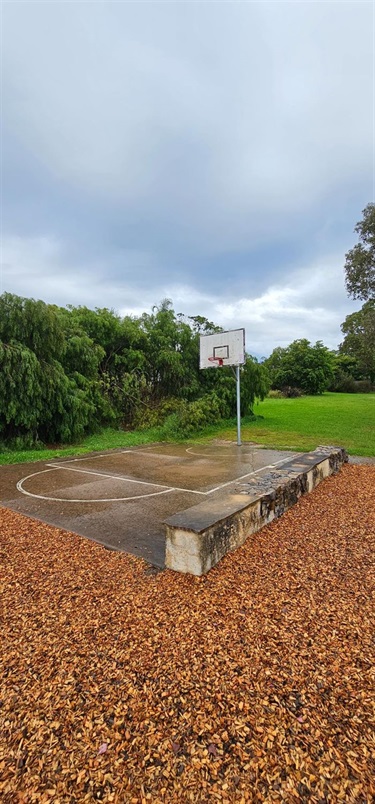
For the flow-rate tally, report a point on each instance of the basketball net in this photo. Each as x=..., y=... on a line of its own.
x=218, y=360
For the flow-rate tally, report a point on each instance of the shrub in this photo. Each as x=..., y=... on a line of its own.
x=364, y=387
x=193, y=417
x=275, y=394
x=343, y=383
x=290, y=392
x=346, y=384
x=154, y=415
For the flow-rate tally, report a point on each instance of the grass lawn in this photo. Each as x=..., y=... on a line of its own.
x=346, y=420
x=106, y=439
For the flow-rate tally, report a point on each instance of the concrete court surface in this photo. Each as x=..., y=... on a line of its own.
x=121, y=498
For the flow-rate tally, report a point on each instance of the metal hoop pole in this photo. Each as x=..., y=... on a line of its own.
x=238, y=406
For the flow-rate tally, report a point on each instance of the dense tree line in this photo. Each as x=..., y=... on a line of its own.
x=67, y=371
x=305, y=368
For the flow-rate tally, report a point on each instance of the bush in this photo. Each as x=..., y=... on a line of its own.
x=346, y=384
x=21, y=442
x=290, y=392
x=364, y=387
x=193, y=417
x=275, y=394
x=154, y=415
x=343, y=383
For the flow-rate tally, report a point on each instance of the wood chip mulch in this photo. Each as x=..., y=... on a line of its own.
x=254, y=683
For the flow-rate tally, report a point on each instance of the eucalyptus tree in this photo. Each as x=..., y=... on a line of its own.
x=360, y=260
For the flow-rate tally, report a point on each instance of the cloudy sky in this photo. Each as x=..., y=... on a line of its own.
x=215, y=153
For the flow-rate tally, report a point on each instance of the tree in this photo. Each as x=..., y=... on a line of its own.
x=38, y=398
x=33, y=323
x=273, y=363
x=301, y=365
x=359, y=341
x=202, y=325
x=360, y=260
x=172, y=352
x=118, y=347
x=359, y=327
x=66, y=371
x=255, y=384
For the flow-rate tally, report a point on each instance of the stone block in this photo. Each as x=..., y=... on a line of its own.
x=196, y=539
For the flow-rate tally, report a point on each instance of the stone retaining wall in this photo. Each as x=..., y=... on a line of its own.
x=197, y=538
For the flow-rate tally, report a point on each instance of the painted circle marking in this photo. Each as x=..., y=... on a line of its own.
x=214, y=452
x=83, y=500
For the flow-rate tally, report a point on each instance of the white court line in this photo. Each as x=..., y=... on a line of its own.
x=175, y=488
x=145, y=449
x=88, y=458
x=255, y=472
x=82, y=500
x=151, y=450
x=167, y=489
x=125, y=479
x=131, y=451
x=189, y=451
x=109, y=477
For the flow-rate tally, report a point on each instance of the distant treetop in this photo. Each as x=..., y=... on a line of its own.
x=360, y=260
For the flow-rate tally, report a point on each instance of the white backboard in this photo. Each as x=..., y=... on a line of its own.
x=222, y=348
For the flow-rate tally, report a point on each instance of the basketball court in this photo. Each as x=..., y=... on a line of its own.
x=122, y=498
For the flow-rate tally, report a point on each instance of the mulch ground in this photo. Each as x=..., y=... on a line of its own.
x=254, y=683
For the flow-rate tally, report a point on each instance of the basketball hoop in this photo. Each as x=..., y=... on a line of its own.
x=225, y=348
x=218, y=360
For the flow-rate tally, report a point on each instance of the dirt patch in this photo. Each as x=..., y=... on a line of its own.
x=253, y=683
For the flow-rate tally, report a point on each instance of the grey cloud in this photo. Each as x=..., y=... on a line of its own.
x=128, y=103
x=222, y=148
x=284, y=312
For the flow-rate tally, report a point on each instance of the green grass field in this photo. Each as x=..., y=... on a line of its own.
x=346, y=420
x=300, y=424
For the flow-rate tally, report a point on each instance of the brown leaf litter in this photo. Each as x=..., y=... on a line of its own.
x=254, y=683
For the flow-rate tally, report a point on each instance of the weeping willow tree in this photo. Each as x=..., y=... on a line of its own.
x=65, y=371
x=38, y=399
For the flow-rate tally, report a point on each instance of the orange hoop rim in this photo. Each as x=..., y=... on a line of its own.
x=219, y=360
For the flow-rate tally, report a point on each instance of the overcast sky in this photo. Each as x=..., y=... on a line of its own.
x=215, y=153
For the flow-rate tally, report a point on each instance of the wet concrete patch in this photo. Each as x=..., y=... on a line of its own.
x=200, y=536
x=121, y=499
